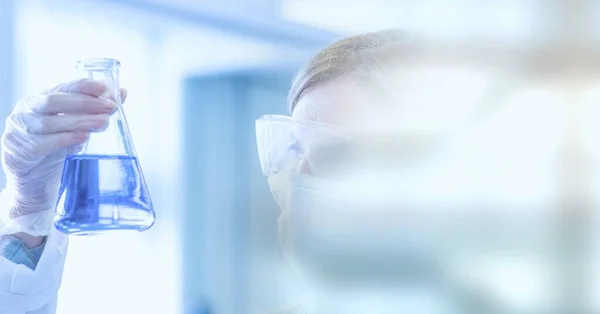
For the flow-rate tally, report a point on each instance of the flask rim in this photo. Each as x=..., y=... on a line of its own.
x=98, y=64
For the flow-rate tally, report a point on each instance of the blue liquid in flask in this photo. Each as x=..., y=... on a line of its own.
x=103, y=192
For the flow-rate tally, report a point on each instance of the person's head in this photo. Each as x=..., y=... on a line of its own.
x=355, y=170
x=349, y=87
x=348, y=78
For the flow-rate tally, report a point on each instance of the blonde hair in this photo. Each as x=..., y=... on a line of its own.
x=350, y=55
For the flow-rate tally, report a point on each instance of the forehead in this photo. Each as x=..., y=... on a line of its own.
x=361, y=106
x=408, y=101
x=347, y=103
x=335, y=102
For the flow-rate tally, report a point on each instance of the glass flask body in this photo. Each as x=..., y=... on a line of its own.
x=103, y=187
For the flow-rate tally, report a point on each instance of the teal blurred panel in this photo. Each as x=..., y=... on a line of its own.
x=222, y=179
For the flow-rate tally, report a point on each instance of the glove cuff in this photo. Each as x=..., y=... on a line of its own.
x=34, y=224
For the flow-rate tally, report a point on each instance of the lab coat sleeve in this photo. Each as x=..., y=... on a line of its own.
x=26, y=291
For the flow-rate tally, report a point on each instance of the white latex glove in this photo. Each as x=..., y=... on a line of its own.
x=39, y=133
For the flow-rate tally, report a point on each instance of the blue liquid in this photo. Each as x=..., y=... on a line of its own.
x=100, y=193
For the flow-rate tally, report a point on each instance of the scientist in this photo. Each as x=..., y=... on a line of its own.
x=357, y=174
x=344, y=87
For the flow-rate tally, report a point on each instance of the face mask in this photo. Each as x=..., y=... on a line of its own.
x=355, y=232
x=357, y=248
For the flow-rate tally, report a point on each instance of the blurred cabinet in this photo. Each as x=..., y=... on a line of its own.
x=227, y=199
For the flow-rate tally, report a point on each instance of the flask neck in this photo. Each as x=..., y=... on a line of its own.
x=101, y=69
x=115, y=140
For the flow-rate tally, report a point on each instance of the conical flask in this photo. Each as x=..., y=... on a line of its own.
x=102, y=187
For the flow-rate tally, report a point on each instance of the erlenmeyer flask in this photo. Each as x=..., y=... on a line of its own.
x=102, y=185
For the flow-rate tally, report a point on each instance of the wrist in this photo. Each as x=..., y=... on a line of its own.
x=24, y=220
x=28, y=240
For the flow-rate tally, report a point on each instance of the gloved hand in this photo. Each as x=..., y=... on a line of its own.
x=39, y=133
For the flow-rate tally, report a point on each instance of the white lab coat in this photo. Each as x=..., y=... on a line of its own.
x=23, y=291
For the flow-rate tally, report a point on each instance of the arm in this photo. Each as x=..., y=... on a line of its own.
x=40, y=131
x=28, y=286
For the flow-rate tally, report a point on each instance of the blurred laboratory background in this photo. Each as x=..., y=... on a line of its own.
x=526, y=72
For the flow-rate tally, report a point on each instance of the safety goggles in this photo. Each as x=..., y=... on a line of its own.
x=287, y=145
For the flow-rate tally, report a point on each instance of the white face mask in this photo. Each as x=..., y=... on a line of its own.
x=354, y=232
x=355, y=244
